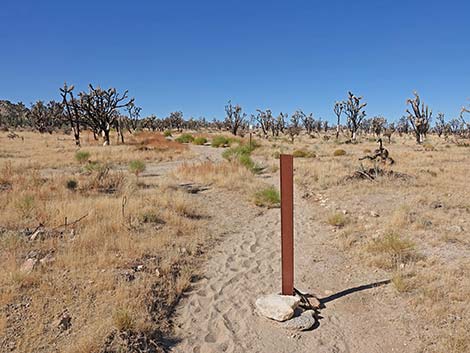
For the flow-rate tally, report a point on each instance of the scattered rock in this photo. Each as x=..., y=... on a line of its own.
x=374, y=214
x=456, y=229
x=277, y=307
x=305, y=321
x=436, y=204
x=28, y=265
x=64, y=322
x=48, y=259
x=36, y=234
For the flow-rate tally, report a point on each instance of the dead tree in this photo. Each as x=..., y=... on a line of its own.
x=338, y=109
x=353, y=108
x=377, y=124
x=389, y=130
x=101, y=109
x=419, y=118
x=45, y=118
x=307, y=121
x=464, y=122
x=72, y=111
x=175, y=121
x=379, y=154
x=234, y=117
x=403, y=126
x=265, y=120
x=440, y=125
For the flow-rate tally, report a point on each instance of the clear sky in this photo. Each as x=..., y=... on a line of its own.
x=195, y=55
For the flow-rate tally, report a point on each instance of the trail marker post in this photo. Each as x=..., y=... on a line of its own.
x=287, y=223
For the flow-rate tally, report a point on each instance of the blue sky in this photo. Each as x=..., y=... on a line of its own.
x=195, y=55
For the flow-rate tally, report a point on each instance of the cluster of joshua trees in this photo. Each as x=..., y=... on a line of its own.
x=101, y=110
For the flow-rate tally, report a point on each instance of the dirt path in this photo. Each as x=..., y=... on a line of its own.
x=218, y=314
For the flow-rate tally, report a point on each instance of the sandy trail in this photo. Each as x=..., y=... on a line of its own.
x=218, y=314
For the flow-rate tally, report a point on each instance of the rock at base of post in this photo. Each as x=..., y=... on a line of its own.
x=277, y=307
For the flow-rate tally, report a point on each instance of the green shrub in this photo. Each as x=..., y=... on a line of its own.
x=136, y=167
x=339, y=152
x=268, y=197
x=94, y=167
x=219, y=141
x=71, y=184
x=185, y=138
x=123, y=320
x=167, y=133
x=277, y=155
x=242, y=154
x=200, y=140
x=303, y=154
x=337, y=220
x=391, y=250
x=26, y=206
x=82, y=156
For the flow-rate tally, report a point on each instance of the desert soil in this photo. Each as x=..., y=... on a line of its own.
x=218, y=314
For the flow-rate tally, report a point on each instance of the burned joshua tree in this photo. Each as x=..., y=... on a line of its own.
x=354, y=110
x=338, y=109
x=100, y=109
x=234, y=117
x=380, y=154
x=419, y=118
x=72, y=111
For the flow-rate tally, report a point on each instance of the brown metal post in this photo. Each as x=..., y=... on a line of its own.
x=287, y=223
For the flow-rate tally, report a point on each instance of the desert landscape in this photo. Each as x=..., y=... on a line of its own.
x=163, y=242
x=234, y=176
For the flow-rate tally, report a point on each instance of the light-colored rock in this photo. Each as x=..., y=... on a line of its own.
x=374, y=214
x=277, y=307
x=301, y=323
x=456, y=228
x=48, y=259
x=28, y=265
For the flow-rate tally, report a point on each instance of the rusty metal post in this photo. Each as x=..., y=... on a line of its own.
x=287, y=223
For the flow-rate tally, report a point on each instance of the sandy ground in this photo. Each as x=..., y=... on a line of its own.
x=218, y=315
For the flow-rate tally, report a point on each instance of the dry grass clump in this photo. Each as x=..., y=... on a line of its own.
x=339, y=152
x=337, y=220
x=392, y=251
x=229, y=175
x=100, y=263
x=268, y=197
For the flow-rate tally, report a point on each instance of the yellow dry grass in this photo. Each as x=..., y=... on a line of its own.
x=121, y=267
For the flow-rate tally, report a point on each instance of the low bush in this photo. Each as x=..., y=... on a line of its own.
x=219, y=141
x=82, y=156
x=339, y=152
x=337, y=220
x=136, y=167
x=391, y=251
x=185, y=138
x=200, y=140
x=268, y=197
x=167, y=133
x=303, y=154
x=242, y=154
x=71, y=184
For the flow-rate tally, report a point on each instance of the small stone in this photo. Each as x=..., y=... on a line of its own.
x=305, y=321
x=36, y=234
x=456, y=229
x=139, y=267
x=277, y=307
x=64, y=322
x=28, y=265
x=48, y=259
x=157, y=272
x=436, y=204
x=374, y=214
